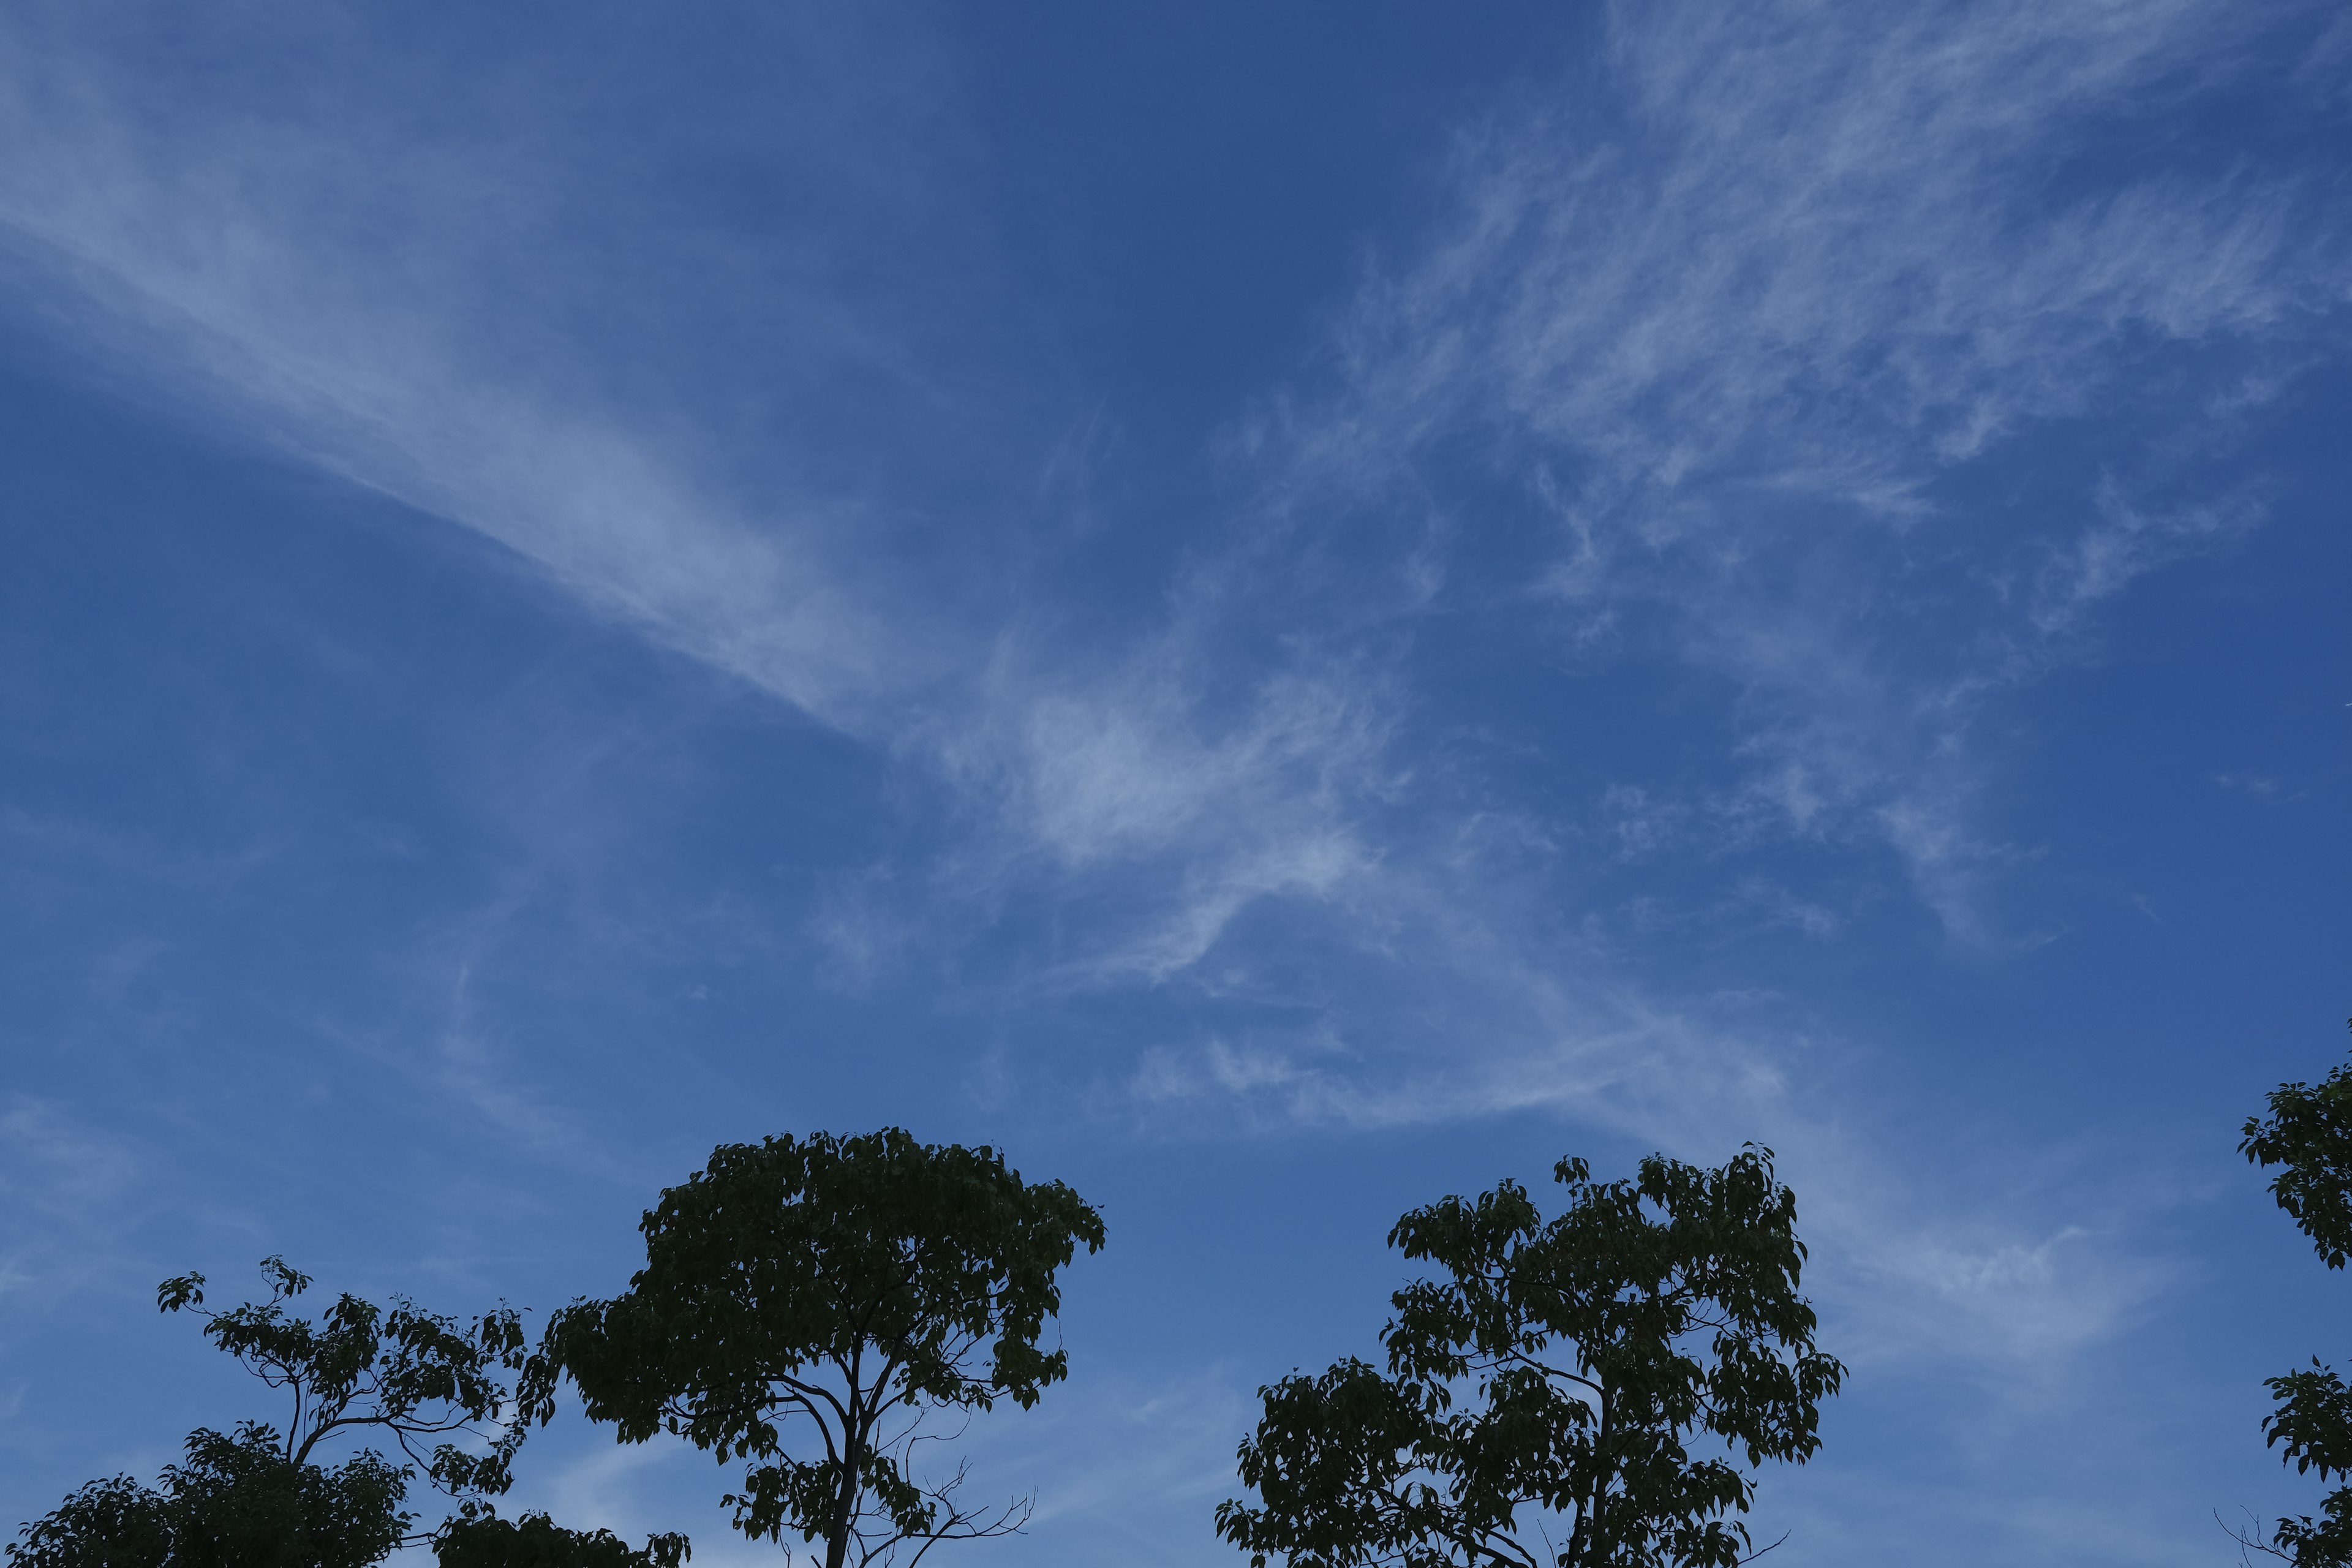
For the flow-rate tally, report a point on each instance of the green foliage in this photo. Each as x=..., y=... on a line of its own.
x=2322, y=1542
x=477, y=1539
x=236, y=1502
x=418, y=1378
x=1558, y=1370
x=2308, y=1134
x=259, y=1498
x=844, y=1289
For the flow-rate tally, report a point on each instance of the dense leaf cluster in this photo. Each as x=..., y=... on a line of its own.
x=805, y=1303
x=2308, y=1135
x=1555, y=1370
x=437, y=1390
x=237, y=1501
x=481, y=1540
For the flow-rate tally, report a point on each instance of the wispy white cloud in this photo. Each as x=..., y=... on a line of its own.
x=1732, y=329
x=1125, y=1471
x=1729, y=330
x=1143, y=771
x=2126, y=541
x=323, y=284
x=1736, y=318
x=1912, y=1274
x=80, y=843
x=2257, y=786
x=65, y=1186
x=323, y=276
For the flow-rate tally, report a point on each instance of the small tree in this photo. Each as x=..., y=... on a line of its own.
x=1555, y=1372
x=237, y=1502
x=806, y=1304
x=260, y=1498
x=2308, y=1135
x=412, y=1376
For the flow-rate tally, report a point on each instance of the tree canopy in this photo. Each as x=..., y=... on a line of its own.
x=438, y=1390
x=816, y=1308
x=475, y=1538
x=1555, y=1372
x=259, y=1497
x=806, y=1304
x=2308, y=1135
x=237, y=1501
x=413, y=1377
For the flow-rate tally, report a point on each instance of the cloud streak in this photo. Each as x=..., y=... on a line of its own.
x=323, y=278
x=1730, y=337
x=1741, y=338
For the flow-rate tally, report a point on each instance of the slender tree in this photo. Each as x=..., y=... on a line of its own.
x=1556, y=1374
x=438, y=1390
x=425, y=1382
x=812, y=1306
x=2308, y=1136
x=259, y=1497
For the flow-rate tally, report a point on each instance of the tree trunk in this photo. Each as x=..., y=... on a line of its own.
x=1590, y=1526
x=844, y=1509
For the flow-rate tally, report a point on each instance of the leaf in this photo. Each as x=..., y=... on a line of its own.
x=1594, y=1347
x=806, y=1302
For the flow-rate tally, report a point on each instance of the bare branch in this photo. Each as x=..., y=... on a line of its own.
x=2248, y=1541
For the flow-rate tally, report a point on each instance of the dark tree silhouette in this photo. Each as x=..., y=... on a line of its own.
x=2308, y=1135
x=258, y=1496
x=238, y=1501
x=1554, y=1373
x=417, y=1379
x=437, y=1390
x=477, y=1540
x=811, y=1305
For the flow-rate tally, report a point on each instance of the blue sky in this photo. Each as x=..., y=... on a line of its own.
x=1280, y=610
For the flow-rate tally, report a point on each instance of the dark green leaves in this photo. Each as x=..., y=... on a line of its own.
x=2322, y=1542
x=413, y=1376
x=2313, y=1422
x=1330, y=1465
x=2309, y=1135
x=1556, y=1368
x=804, y=1302
x=479, y=1540
x=236, y=1502
x=260, y=1500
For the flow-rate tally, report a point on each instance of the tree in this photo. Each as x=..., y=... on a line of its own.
x=1555, y=1373
x=413, y=1376
x=261, y=1498
x=237, y=1502
x=477, y=1539
x=2308, y=1135
x=806, y=1304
